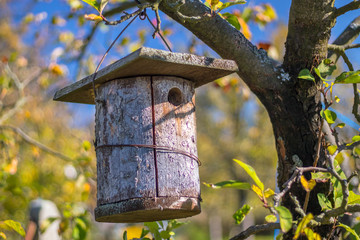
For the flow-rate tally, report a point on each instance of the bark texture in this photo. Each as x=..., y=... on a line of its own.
x=292, y=104
x=146, y=137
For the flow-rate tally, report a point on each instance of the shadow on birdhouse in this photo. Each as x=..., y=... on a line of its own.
x=145, y=133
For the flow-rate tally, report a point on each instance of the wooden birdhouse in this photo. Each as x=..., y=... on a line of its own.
x=145, y=133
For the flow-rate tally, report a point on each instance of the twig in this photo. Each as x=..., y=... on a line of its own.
x=297, y=204
x=32, y=141
x=129, y=15
x=335, y=47
x=19, y=103
x=318, y=147
x=297, y=173
x=256, y=229
x=348, y=7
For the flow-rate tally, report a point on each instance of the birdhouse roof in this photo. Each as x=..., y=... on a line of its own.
x=149, y=62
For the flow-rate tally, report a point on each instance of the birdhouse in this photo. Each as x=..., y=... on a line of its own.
x=145, y=133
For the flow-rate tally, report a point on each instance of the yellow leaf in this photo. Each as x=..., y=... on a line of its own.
x=337, y=99
x=213, y=3
x=339, y=158
x=2, y=235
x=35, y=151
x=332, y=149
x=269, y=192
x=257, y=190
x=245, y=28
x=56, y=69
x=93, y=17
x=11, y=167
x=307, y=185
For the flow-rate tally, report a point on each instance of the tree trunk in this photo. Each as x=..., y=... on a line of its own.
x=292, y=104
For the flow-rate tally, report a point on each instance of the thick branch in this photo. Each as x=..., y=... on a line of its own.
x=32, y=141
x=346, y=37
x=228, y=42
x=347, y=8
x=256, y=229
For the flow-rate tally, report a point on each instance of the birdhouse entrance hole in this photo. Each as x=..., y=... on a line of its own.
x=145, y=133
x=175, y=96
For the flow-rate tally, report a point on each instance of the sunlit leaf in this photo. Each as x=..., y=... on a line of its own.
x=328, y=115
x=350, y=230
x=93, y=3
x=320, y=176
x=355, y=138
x=93, y=17
x=251, y=172
x=230, y=184
x=16, y=226
x=86, y=145
x=348, y=77
x=326, y=68
x=311, y=235
x=306, y=75
x=268, y=192
x=103, y=4
x=271, y=218
x=232, y=19
x=332, y=149
x=2, y=235
x=307, y=185
x=353, y=198
x=337, y=99
x=340, y=125
x=302, y=225
x=229, y=4
x=285, y=218
x=258, y=191
x=240, y=214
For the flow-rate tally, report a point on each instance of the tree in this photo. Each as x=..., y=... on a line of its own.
x=292, y=103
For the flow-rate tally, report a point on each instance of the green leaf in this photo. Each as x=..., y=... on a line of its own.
x=173, y=224
x=306, y=75
x=326, y=68
x=144, y=232
x=317, y=71
x=240, y=214
x=350, y=230
x=271, y=218
x=230, y=184
x=312, y=235
x=166, y=234
x=340, y=125
x=353, y=198
x=269, y=192
x=328, y=115
x=86, y=145
x=355, y=138
x=125, y=235
x=93, y=3
x=229, y=4
x=348, y=77
x=285, y=218
x=103, y=4
x=232, y=19
x=251, y=172
x=320, y=176
x=154, y=229
x=302, y=225
x=16, y=226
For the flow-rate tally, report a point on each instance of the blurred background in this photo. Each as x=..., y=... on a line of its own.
x=46, y=147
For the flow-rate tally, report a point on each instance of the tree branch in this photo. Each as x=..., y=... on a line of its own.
x=256, y=229
x=32, y=141
x=349, y=35
x=215, y=32
x=347, y=8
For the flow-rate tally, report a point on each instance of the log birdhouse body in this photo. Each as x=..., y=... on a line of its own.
x=145, y=133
